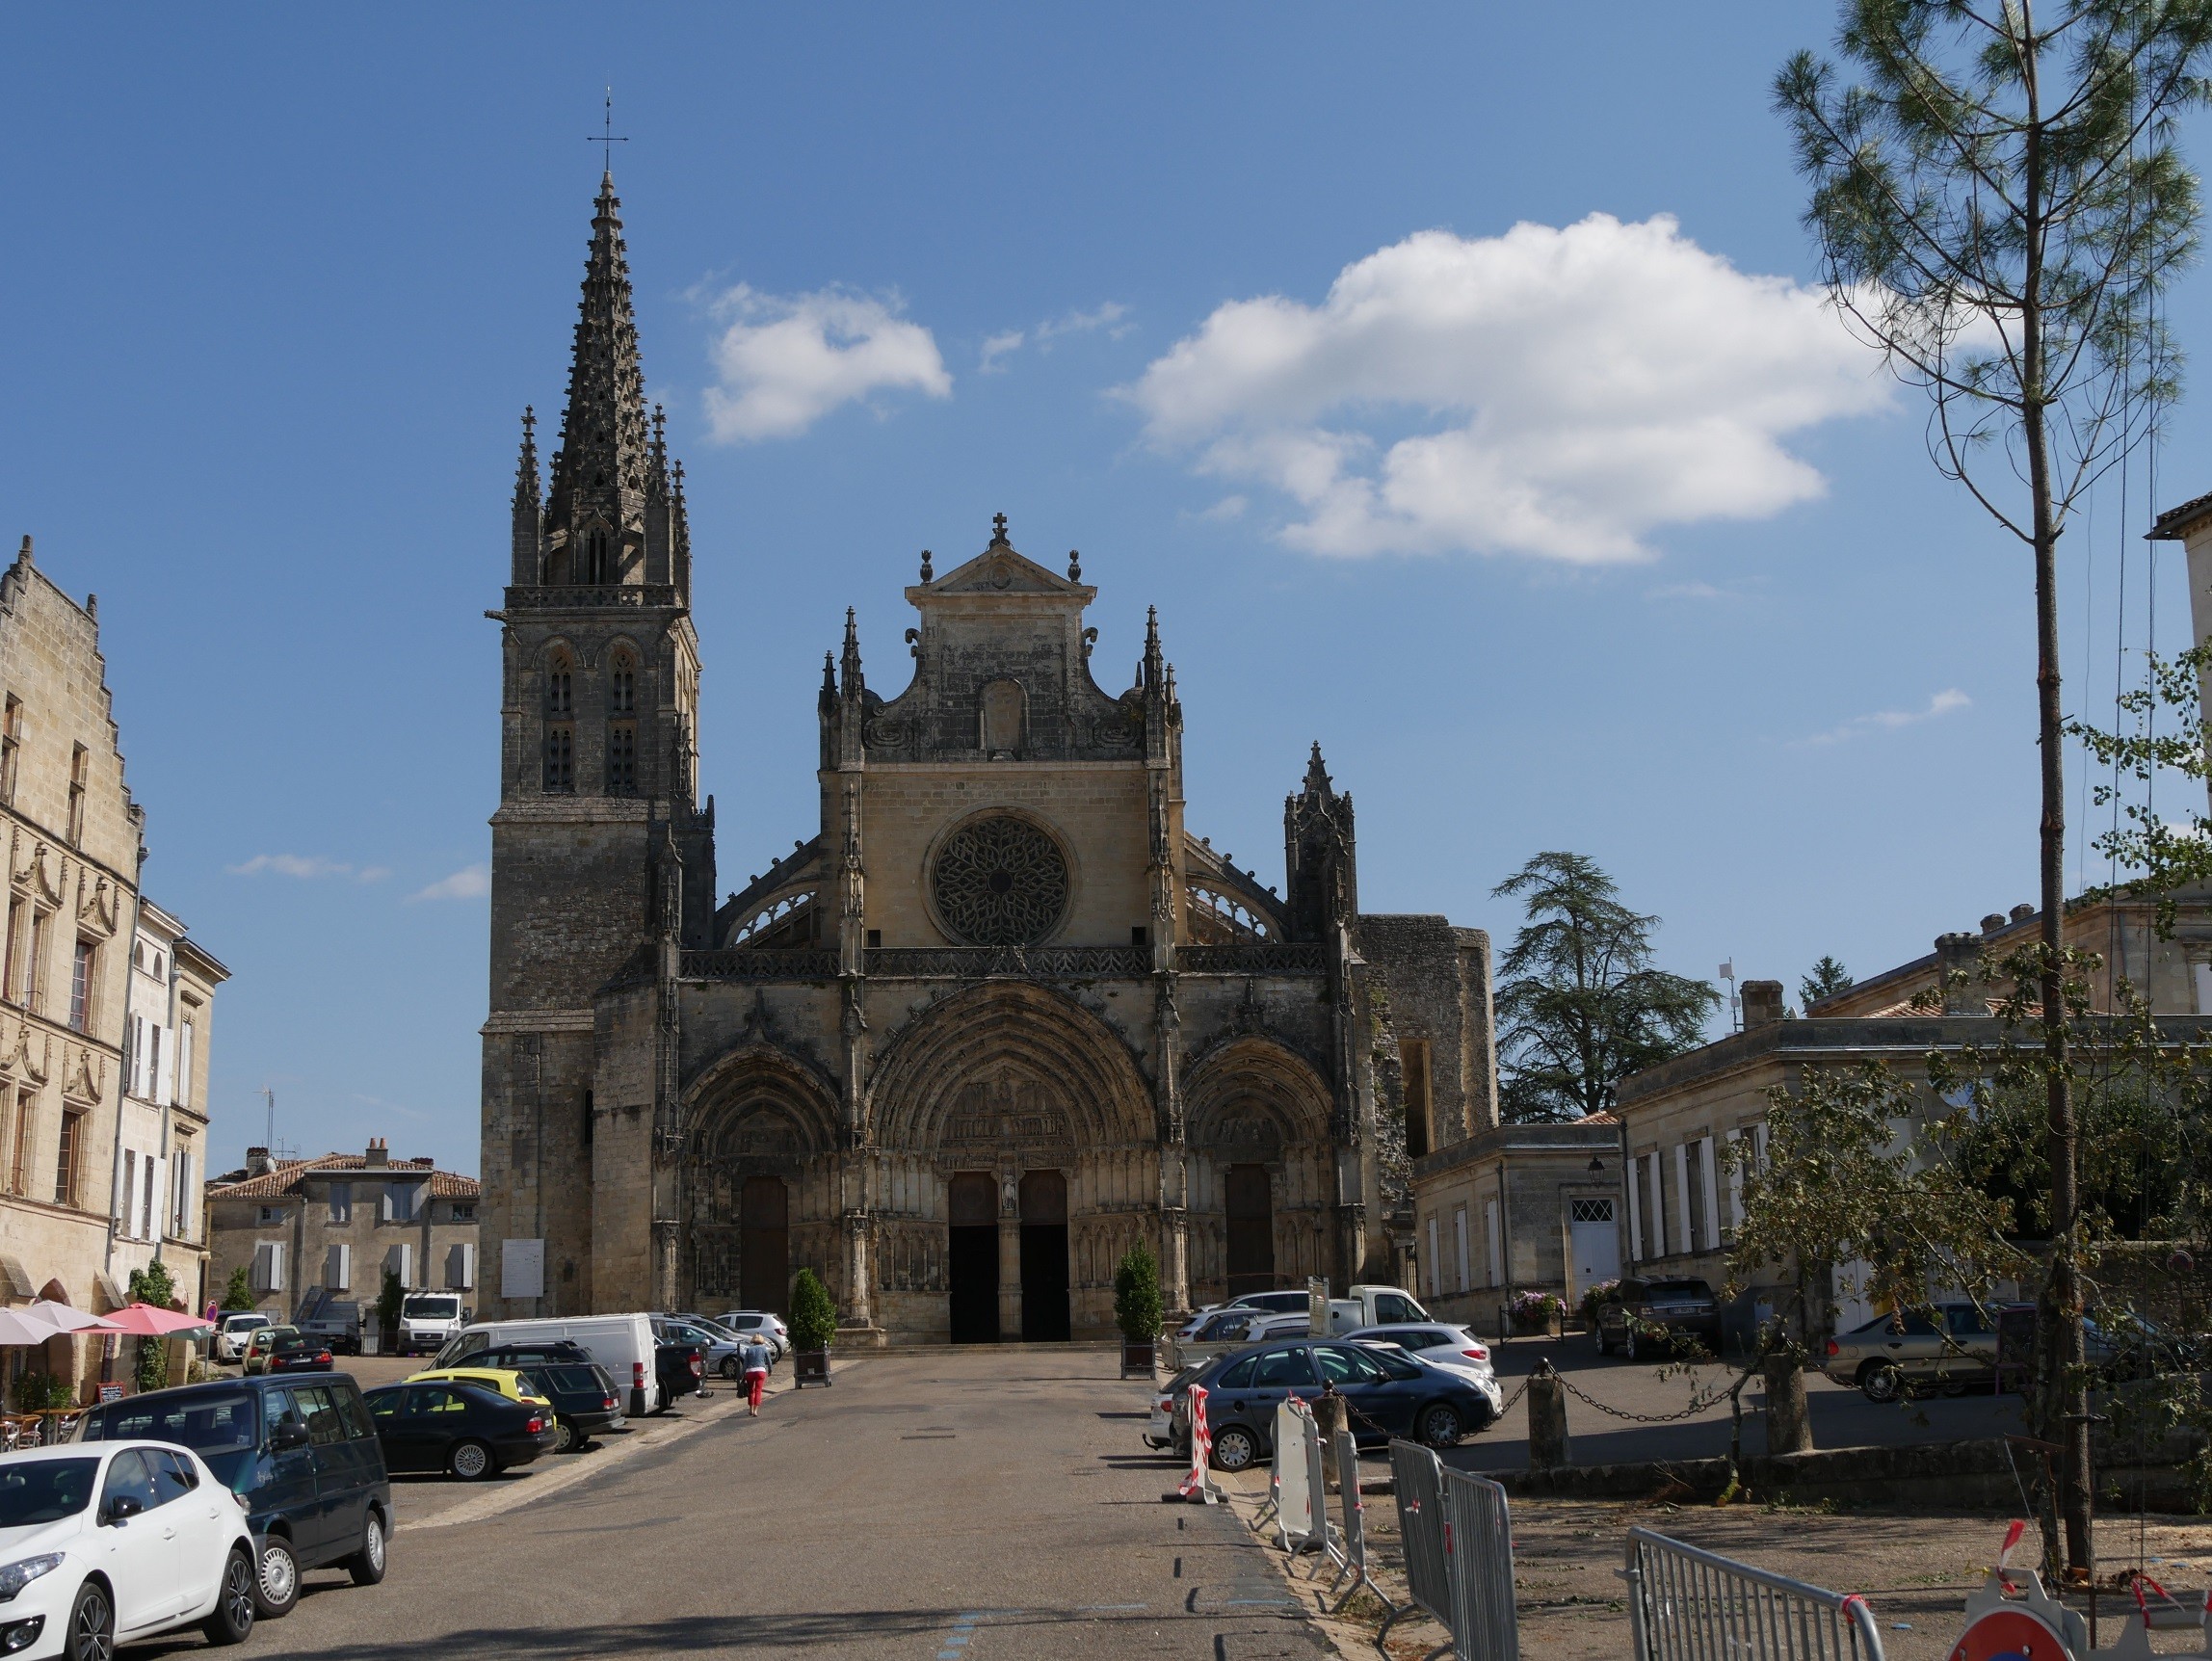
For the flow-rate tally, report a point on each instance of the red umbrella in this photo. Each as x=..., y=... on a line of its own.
x=144, y=1321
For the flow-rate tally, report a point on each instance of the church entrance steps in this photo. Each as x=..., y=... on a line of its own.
x=1075, y=1347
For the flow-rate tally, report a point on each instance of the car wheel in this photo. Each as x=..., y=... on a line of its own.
x=1881, y=1381
x=1235, y=1448
x=367, y=1564
x=231, y=1619
x=565, y=1436
x=1604, y=1343
x=730, y=1369
x=1439, y=1424
x=91, y=1632
x=470, y=1461
x=277, y=1578
x=1628, y=1341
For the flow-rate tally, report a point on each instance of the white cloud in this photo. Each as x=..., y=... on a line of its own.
x=1691, y=591
x=1226, y=509
x=1945, y=702
x=308, y=866
x=1575, y=389
x=1107, y=316
x=787, y=360
x=470, y=883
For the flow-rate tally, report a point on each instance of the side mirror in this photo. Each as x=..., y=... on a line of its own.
x=123, y=1507
x=291, y=1434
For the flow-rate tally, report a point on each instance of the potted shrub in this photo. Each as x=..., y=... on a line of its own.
x=1137, y=1310
x=813, y=1324
x=1591, y=1297
x=1536, y=1312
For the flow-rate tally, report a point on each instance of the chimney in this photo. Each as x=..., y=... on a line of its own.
x=2023, y=912
x=1958, y=958
x=1762, y=1003
x=379, y=1153
x=1992, y=923
x=259, y=1162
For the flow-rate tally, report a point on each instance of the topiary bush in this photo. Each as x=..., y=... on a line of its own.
x=154, y=1284
x=1137, y=1295
x=238, y=1292
x=813, y=1313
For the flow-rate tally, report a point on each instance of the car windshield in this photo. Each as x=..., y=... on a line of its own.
x=46, y=1491
x=223, y=1423
x=430, y=1308
x=1677, y=1292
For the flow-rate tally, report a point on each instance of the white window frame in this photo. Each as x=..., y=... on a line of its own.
x=461, y=1266
x=269, y=1265
x=338, y=1267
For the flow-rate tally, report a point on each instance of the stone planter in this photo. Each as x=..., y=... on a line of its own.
x=809, y=1367
x=1138, y=1358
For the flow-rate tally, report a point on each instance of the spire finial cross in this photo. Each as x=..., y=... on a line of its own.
x=607, y=138
x=998, y=527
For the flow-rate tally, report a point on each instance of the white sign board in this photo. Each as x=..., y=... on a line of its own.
x=522, y=1268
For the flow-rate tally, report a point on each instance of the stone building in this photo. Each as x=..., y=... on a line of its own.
x=999, y=1016
x=1516, y=1208
x=80, y=1112
x=312, y=1230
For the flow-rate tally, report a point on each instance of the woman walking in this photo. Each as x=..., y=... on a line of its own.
x=752, y=1357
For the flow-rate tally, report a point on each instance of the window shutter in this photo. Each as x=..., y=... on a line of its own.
x=156, y=1173
x=1709, y=1193
x=399, y=1260
x=126, y=1193
x=1735, y=1187
x=338, y=1267
x=1494, y=1239
x=1436, y=1270
x=460, y=1267
x=269, y=1266
x=1635, y=1216
x=1459, y=1234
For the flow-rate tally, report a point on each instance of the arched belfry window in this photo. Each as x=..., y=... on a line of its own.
x=597, y=567
x=560, y=725
x=621, y=725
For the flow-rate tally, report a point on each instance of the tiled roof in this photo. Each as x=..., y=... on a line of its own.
x=287, y=1177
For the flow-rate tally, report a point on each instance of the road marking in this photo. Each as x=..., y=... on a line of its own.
x=955, y=1642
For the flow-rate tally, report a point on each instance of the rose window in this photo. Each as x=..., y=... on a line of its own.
x=1001, y=882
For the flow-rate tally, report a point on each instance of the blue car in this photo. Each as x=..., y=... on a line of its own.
x=1388, y=1393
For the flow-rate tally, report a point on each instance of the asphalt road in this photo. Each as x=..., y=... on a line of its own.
x=1842, y=1417
x=972, y=1506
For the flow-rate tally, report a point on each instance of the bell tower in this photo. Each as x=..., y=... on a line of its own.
x=602, y=860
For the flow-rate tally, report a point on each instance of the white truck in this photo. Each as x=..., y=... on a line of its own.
x=428, y=1319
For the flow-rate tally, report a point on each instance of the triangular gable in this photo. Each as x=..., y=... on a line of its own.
x=999, y=570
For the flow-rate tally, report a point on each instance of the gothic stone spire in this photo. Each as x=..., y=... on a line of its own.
x=600, y=468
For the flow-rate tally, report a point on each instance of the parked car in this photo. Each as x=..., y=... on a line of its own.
x=1453, y=1348
x=680, y=1369
x=1160, y=1428
x=299, y=1455
x=1231, y=1329
x=623, y=1344
x=717, y=1348
x=261, y=1342
x=1389, y=1394
x=1951, y=1347
x=585, y=1397
x=236, y=1327
x=119, y=1542
x=427, y=1320
x=297, y=1353
x=1667, y=1317
x=461, y=1429
x=337, y=1323
x=769, y=1326
x=499, y=1381
x=1358, y=1307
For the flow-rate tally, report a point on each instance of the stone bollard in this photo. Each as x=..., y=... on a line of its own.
x=1328, y=1417
x=1547, y=1443
x=1789, y=1422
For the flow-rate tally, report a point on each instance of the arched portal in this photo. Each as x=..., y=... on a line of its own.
x=1248, y=1210
x=1263, y=1191
x=759, y=1195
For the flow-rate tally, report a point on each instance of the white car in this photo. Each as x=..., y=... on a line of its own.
x=232, y=1336
x=769, y=1327
x=1443, y=1346
x=104, y=1542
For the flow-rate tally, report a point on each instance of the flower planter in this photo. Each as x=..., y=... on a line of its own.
x=1138, y=1358
x=811, y=1367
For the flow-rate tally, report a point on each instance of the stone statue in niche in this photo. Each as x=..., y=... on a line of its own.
x=1001, y=720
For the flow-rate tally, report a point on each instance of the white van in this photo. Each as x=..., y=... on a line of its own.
x=623, y=1344
x=427, y=1320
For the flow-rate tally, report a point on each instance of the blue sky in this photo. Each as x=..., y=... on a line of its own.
x=281, y=282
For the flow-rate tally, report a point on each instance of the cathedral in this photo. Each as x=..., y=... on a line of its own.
x=998, y=1019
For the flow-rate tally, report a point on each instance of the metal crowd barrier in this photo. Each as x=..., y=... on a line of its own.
x=1417, y=1478
x=1300, y=1506
x=1685, y=1604
x=1481, y=1544
x=1352, y=1559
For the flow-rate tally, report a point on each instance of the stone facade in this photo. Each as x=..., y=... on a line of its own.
x=1517, y=1208
x=309, y=1230
x=103, y=1094
x=998, y=1019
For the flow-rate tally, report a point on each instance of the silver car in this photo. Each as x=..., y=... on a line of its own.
x=1952, y=1347
x=1441, y=1345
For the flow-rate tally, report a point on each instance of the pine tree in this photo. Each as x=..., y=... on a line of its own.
x=1826, y=979
x=238, y=1290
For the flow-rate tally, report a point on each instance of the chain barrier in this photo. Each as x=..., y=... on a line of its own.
x=1697, y=1405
